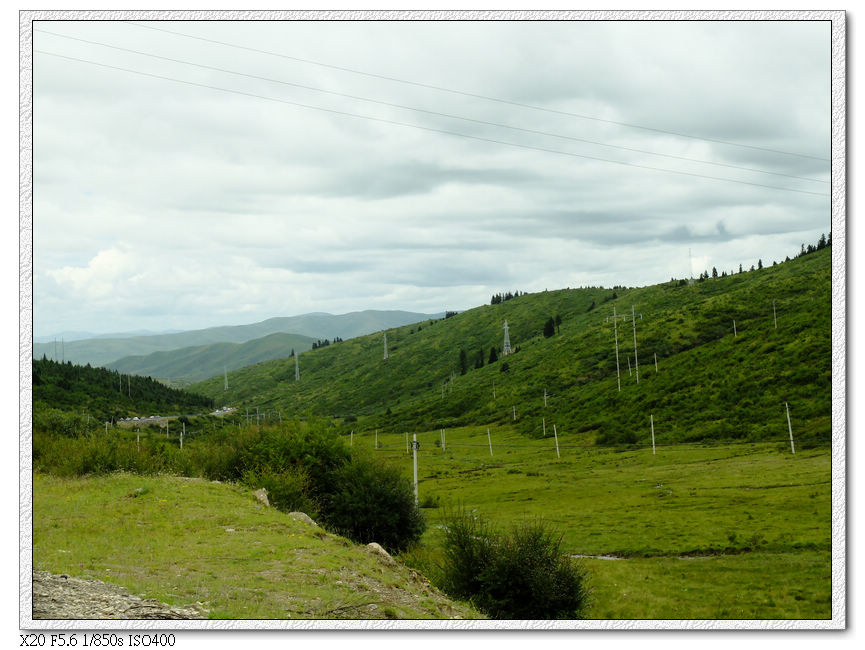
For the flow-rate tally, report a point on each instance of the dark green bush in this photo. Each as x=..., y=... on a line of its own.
x=520, y=575
x=287, y=489
x=373, y=502
x=60, y=423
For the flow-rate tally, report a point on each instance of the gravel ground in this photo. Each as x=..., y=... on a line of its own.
x=64, y=597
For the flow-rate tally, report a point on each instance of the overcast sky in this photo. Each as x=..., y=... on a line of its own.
x=167, y=205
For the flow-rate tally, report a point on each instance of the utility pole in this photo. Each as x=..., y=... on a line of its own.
x=790, y=428
x=774, y=314
x=415, y=445
x=616, y=335
x=557, y=441
x=652, y=424
x=296, y=368
x=385, y=346
x=225, y=369
x=636, y=361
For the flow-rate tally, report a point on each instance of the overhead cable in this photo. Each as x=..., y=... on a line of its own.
x=425, y=128
x=475, y=95
x=429, y=112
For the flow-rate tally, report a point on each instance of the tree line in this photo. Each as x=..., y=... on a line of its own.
x=108, y=394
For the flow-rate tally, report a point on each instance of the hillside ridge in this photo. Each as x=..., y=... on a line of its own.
x=726, y=363
x=320, y=325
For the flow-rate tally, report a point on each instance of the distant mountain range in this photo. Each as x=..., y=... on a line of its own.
x=77, y=336
x=101, y=351
x=186, y=365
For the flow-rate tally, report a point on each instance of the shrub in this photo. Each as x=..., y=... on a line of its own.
x=520, y=575
x=58, y=423
x=286, y=488
x=373, y=502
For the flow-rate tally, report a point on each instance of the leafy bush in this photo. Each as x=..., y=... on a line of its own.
x=59, y=423
x=373, y=502
x=520, y=575
x=287, y=489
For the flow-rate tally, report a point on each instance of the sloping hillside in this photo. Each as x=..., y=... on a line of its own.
x=104, y=394
x=710, y=383
x=212, y=547
x=318, y=325
x=203, y=361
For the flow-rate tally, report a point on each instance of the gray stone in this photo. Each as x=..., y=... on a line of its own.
x=261, y=495
x=302, y=516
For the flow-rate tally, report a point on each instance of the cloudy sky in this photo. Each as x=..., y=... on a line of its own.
x=223, y=173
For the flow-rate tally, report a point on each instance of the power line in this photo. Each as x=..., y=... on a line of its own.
x=427, y=128
x=475, y=95
x=426, y=111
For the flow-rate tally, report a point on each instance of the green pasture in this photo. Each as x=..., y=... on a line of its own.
x=192, y=542
x=701, y=531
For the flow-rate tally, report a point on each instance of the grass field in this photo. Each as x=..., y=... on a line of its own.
x=187, y=541
x=724, y=531
x=728, y=531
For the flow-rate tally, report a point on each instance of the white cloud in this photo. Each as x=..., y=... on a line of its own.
x=159, y=204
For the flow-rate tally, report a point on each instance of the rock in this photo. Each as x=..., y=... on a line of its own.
x=302, y=516
x=261, y=495
x=65, y=597
x=383, y=555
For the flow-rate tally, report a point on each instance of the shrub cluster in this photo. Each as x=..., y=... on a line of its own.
x=304, y=467
x=522, y=574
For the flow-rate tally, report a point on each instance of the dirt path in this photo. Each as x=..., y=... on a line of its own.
x=64, y=597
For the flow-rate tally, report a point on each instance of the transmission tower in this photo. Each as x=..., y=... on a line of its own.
x=506, y=346
x=690, y=269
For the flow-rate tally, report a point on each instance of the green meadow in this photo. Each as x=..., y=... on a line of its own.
x=735, y=531
x=192, y=542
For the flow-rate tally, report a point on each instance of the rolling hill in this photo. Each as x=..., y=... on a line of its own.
x=203, y=361
x=104, y=394
x=100, y=351
x=711, y=382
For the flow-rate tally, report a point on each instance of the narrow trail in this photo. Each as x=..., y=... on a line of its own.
x=66, y=598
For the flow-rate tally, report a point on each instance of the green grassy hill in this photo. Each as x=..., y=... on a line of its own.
x=185, y=541
x=104, y=394
x=203, y=361
x=710, y=383
x=100, y=351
